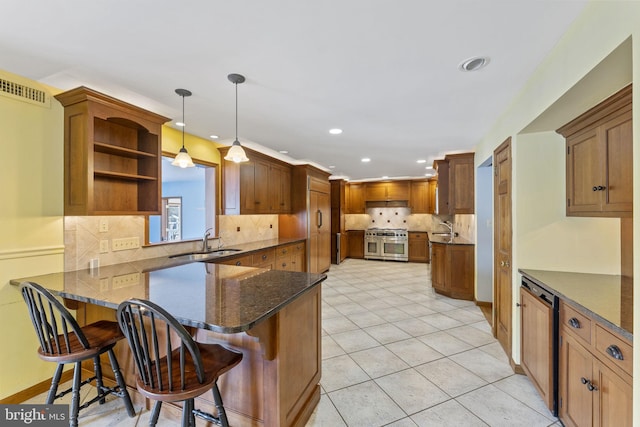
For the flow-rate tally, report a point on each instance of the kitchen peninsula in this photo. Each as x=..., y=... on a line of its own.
x=273, y=317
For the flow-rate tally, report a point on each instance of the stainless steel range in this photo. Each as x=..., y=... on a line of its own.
x=386, y=244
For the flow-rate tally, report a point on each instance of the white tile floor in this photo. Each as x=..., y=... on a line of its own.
x=396, y=354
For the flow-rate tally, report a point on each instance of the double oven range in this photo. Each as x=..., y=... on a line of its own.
x=386, y=244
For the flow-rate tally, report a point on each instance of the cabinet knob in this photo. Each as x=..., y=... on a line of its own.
x=599, y=188
x=264, y=257
x=584, y=380
x=238, y=263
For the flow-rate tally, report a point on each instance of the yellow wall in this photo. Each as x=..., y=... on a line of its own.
x=543, y=237
x=32, y=243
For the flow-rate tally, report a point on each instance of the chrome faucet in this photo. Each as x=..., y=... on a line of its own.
x=205, y=241
x=449, y=226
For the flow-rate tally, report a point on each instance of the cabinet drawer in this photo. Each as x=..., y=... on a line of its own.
x=263, y=257
x=244, y=261
x=613, y=350
x=576, y=322
x=418, y=235
x=285, y=251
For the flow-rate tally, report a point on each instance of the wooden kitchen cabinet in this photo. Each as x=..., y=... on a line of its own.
x=354, y=197
x=260, y=186
x=387, y=191
x=441, y=206
x=419, y=197
x=455, y=184
x=536, y=344
x=595, y=389
x=452, y=270
x=433, y=184
x=320, y=227
x=356, y=244
x=112, y=155
x=599, y=168
x=290, y=257
x=418, y=246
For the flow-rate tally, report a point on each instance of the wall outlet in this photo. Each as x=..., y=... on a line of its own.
x=104, y=225
x=125, y=244
x=104, y=246
x=125, y=280
x=104, y=284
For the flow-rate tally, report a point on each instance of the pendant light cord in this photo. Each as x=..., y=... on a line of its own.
x=183, y=123
x=236, y=111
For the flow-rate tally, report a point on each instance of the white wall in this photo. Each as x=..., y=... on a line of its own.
x=484, y=238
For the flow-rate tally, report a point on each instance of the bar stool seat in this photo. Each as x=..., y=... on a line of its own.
x=167, y=374
x=62, y=341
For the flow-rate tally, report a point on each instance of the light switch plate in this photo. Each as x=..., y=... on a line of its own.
x=124, y=244
x=104, y=225
x=104, y=246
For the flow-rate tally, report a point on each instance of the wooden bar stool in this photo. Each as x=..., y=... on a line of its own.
x=63, y=341
x=166, y=374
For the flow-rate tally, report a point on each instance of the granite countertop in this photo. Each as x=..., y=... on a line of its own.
x=217, y=297
x=603, y=297
x=449, y=240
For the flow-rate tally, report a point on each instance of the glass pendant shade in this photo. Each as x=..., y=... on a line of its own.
x=183, y=159
x=236, y=153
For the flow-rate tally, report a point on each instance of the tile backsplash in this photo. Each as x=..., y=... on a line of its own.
x=82, y=237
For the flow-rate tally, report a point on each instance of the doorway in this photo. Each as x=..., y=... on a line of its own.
x=484, y=236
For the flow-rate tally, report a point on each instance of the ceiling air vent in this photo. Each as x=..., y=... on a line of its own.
x=23, y=93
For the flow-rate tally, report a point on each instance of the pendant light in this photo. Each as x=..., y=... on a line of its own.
x=236, y=152
x=183, y=159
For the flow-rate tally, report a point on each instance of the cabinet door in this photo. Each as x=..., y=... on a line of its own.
x=355, y=201
x=433, y=184
x=576, y=403
x=419, y=197
x=376, y=191
x=418, y=247
x=585, y=171
x=356, y=244
x=442, y=187
x=618, y=139
x=536, y=345
x=254, y=187
x=461, y=185
x=320, y=232
x=614, y=398
x=279, y=189
x=438, y=260
x=459, y=271
x=398, y=190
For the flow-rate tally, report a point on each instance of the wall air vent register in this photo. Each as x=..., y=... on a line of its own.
x=23, y=93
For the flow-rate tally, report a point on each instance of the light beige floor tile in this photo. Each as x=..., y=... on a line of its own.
x=387, y=333
x=415, y=327
x=441, y=321
x=452, y=378
x=520, y=387
x=378, y=361
x=498, y=409
x=338, y=324
x=447, y=414
x=483, y=365
x=357, y=340
x=411, y=391
x=366, y=405
x=368, y=318
x=393, y=314
x=325, y=415
x=417, y=310
x=341, y=371
x=330, y=348
x=495, y=349
x=445, y=343
x=471, y=335
x=414, y=352
x=405, y=422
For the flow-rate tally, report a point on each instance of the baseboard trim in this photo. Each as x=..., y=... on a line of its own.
x=484, y=303
x=35, y=390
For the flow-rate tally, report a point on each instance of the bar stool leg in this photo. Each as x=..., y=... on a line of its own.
x=97, y=368
x=217, y=398
x=186, y=410
x=51, y=396
x=155, y=413
x=120, y=380
x=75, y=395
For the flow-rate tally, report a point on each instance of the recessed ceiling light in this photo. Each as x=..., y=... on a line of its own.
x=335, y=131
x=365, y=160
x=180, y=124
x=429, y=167
x=332, y=167
x=214, y=136
x=283, y=152
x=421, y=161
x=385, y=177
x=474, y=64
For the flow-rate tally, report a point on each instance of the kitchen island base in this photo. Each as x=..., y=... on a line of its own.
x=277, y=382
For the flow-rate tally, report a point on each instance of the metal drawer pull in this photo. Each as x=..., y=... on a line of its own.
x=574, y=323
x=589, y=384
x=584, y=380
x=614, y=351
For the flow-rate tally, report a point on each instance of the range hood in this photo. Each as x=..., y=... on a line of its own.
x=388, y=204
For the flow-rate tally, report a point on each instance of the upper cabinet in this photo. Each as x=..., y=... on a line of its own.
x=599, y=159
x=260, y=186
x=387, y=191
x=455, y=184
x=419, y=197
x=354, y=196
x=112, y=155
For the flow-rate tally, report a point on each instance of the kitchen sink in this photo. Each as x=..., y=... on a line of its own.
x=444, y=233
x=203, y=256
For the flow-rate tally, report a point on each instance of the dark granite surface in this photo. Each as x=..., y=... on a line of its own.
x=448, y=241
x=603, y=297
x=221, y=298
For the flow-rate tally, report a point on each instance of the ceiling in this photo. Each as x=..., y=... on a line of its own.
x=385, y=72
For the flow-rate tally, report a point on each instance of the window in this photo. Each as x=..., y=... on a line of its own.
x=188, y=203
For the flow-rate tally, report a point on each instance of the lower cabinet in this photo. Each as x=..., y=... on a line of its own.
x=595, y=374
x=356, y=244
x=290, y=257
x=418, y=246
x=452, y=270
